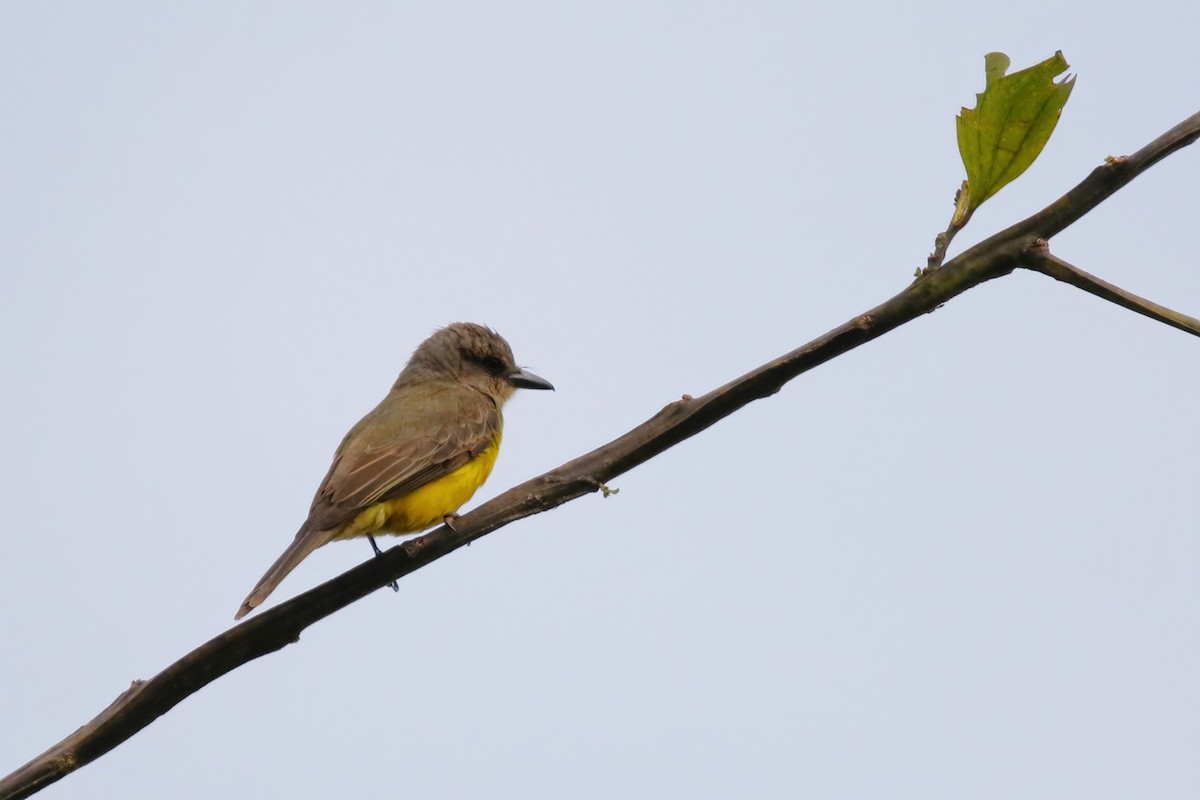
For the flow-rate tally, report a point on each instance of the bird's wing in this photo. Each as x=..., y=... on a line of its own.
x=410, y=439
x=406, y=442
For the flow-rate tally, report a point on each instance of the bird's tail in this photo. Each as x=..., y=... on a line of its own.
x=305, y=542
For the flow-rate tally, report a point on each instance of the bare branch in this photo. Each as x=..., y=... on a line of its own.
x=274, y=629
x=1041, y=260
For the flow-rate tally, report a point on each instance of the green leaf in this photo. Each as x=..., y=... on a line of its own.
x=1010, y=124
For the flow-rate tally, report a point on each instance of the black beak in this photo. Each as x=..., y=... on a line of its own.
x=527, y=380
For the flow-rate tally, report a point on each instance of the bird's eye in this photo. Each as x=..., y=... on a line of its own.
x=492, y=364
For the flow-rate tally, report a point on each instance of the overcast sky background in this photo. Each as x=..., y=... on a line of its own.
x=959, y=562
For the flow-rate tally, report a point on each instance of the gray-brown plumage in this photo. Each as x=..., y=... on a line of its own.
x=418, y=455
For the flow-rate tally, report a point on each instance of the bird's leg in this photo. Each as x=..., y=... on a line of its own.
x=395, y=586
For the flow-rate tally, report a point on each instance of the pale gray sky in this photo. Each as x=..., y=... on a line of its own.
x=959, y=562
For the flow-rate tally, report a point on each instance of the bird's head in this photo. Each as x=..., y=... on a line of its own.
x=475, y=356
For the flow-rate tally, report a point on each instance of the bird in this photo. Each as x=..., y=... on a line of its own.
x=420, y=454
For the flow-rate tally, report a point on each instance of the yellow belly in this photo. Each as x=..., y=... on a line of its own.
x=427, y=505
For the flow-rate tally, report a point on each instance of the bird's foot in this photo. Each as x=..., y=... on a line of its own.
x=395, y=586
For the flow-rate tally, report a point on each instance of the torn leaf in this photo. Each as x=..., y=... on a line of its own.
x=1011, y=122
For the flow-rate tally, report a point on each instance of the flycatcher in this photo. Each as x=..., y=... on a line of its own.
x=420, y=454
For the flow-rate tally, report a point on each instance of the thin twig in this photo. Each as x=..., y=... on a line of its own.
x=1040, y=259
x=958, y=221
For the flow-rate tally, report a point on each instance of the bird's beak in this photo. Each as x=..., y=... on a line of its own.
x=527, y=380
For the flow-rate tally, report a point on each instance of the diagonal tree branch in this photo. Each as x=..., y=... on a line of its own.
x=275, y=628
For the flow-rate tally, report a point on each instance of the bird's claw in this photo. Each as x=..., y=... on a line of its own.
x=395, y=585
